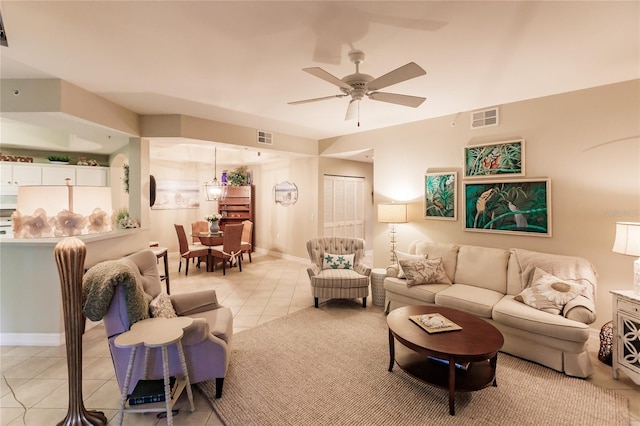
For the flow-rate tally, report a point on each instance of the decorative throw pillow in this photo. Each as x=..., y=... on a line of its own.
x=337, y=261
x=161, y=307
x=548, y=293
x=424, y=271
x=406, y=256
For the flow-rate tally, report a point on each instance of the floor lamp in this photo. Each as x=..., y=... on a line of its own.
x=70, y=254
x=392, y=214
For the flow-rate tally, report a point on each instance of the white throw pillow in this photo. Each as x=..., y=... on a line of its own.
x=337, y=261
x=161, y=307
x=549, y=293
x=406, y=256
x=425, y=271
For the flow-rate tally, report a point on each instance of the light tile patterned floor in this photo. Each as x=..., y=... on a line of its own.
x=267, y=288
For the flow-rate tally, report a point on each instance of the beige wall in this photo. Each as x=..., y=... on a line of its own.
x=587, y=142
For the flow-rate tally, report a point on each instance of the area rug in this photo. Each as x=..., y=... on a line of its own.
x=328, y=366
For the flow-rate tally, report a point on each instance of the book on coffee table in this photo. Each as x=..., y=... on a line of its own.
x=434, y=323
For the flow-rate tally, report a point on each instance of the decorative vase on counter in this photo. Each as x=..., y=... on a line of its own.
x=214, y=227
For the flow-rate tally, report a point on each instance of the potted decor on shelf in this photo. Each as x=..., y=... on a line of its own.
x=213, y=221
x=59, y=159
x=237, y=177
x=124, y=221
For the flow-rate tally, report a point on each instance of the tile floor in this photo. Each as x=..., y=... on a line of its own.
x=33, y=386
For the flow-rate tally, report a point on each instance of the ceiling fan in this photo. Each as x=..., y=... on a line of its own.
x=359, y=85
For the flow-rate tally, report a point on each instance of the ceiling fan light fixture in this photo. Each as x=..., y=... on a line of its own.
x=359, y=85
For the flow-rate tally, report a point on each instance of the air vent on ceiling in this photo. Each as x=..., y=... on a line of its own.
x=484, y=118
x=265, y=138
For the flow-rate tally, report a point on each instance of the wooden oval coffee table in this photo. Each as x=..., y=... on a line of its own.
x=475, y=347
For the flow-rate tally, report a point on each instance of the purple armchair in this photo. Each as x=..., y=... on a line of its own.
x=206, y=343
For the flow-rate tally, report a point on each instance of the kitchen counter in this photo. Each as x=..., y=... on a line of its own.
x=30, y=304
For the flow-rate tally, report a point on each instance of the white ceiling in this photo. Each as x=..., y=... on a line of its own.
x=240, y=62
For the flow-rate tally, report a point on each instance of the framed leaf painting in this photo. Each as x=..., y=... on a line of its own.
x=441, y=196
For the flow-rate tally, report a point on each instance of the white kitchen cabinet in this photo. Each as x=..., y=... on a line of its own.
x=14, y=175
x=92, y=176
x=56, y=175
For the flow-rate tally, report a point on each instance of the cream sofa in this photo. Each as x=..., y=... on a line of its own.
x=485, y=282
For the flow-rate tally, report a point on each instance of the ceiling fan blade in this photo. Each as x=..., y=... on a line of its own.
x=405, y=72
x=320, y=73
x=394, y=98
x=352, y=110
x=306, y=101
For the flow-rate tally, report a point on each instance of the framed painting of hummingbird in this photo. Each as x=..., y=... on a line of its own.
x=494, y=159
x=508, y=206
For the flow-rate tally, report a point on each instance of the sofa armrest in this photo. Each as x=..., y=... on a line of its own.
x=313, y=270
x=581, y=309
x=392, y=271
x=363, y=269
x=193, y=303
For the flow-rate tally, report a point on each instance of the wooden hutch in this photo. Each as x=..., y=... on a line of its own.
x=237, y=205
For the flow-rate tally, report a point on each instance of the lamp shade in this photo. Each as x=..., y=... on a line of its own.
x=627, y=238
x=60, y=210
x=392, y=213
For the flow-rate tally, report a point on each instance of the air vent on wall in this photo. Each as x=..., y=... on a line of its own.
x=265, y=138
x=484, y=118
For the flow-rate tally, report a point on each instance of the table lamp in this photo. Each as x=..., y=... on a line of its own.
x=628, y=242
x=62, y=211
x=392, y=214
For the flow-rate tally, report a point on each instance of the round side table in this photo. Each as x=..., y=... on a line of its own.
x=377, y=285
x=155, y=333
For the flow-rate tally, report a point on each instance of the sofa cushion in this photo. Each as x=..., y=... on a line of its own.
x=421, y=293
x=483, y=267
x=406, y=256
x=548, y=293
x=513, y=313
x=424, y=271
x=475, y=300
x=447, y=251
x=337, y=261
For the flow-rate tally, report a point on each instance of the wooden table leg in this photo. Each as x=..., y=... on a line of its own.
x=452, y=386
x=493, y=362
x=392, y=350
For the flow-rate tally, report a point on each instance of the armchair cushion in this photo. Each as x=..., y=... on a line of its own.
x=193, y=303
x=161, y=307
x=337, y=261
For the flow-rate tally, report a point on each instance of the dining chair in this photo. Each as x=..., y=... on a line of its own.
x=197, y=228
x=189, y=251
x=247, y=231
x=230, y=250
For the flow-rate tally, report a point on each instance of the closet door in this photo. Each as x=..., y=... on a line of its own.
x=343, y=206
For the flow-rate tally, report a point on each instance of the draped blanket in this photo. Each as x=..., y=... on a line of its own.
x=98, y=287
x=572, y=268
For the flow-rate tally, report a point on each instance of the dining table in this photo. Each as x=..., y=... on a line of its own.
x=210, y=239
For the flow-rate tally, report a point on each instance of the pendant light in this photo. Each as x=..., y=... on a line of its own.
x=213, y=190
